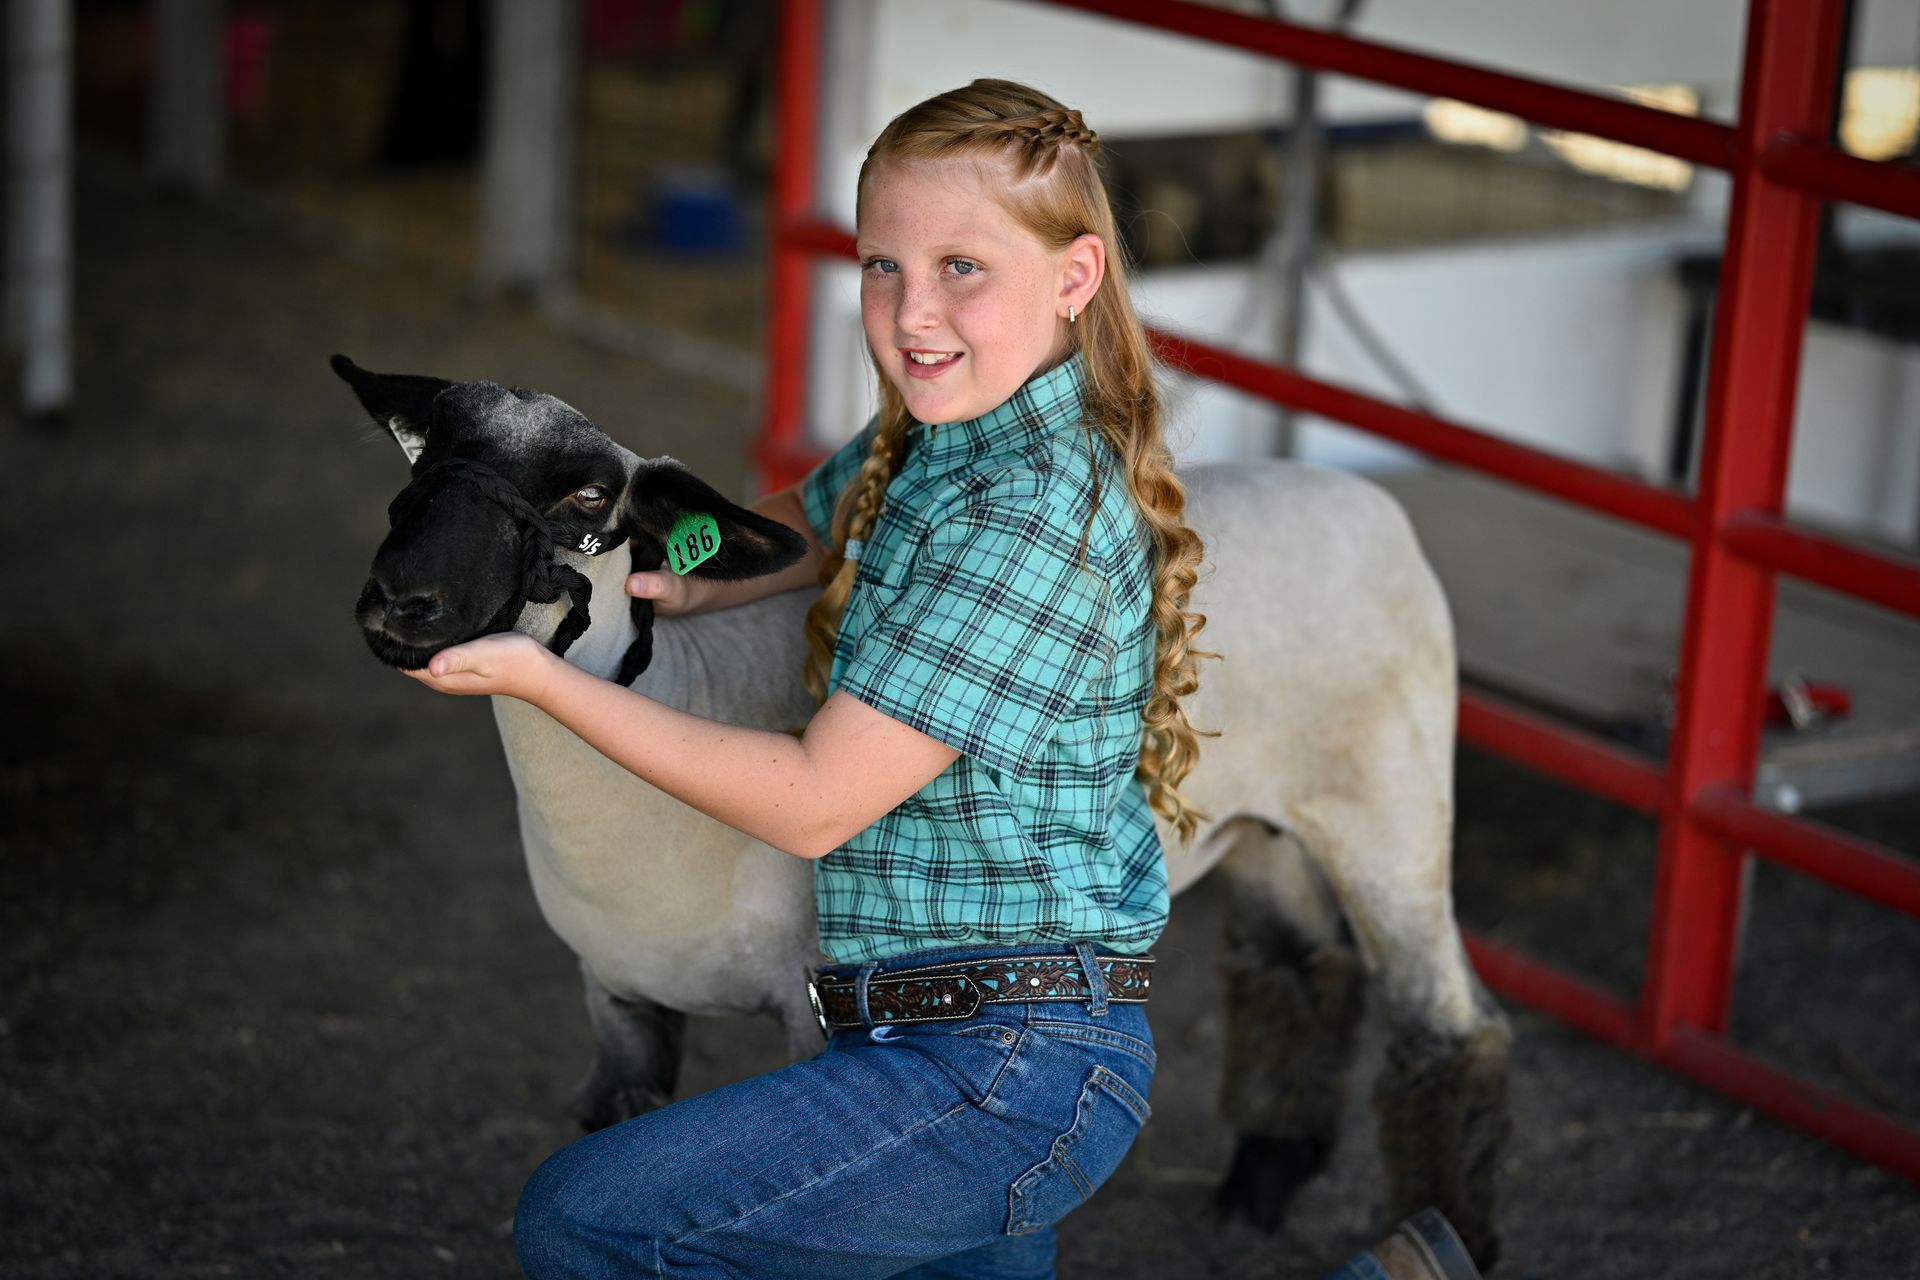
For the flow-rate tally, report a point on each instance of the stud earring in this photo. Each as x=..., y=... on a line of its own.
x=1069, y=313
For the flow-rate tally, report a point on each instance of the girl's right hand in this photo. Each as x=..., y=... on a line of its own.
x=671, y=594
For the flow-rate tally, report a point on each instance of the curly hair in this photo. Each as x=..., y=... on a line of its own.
x=1056, y=194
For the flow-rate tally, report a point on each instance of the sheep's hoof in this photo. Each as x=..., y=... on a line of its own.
x=1265, y=1174
x=597, y=1107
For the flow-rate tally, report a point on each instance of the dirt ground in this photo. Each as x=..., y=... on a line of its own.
x=274, y=995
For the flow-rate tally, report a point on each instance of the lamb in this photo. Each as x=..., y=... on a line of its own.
x=1329, y=789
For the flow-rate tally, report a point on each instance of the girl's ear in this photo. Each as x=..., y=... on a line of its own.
x=1083, y=265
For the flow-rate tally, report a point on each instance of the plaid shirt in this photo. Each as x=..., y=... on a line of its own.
x=972, y=620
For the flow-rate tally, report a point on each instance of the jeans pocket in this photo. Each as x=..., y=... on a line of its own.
x=1105, y=1123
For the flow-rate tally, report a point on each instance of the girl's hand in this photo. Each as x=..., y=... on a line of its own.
x=671, y=594
x=511, y=664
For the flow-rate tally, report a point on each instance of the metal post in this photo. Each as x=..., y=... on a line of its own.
x=1299, y=230
x=1765, y=280
x=527, y=175
x=781, y=449
x=187, y=126
x=40, y=180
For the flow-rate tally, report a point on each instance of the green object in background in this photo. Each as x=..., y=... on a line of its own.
x=694, y=540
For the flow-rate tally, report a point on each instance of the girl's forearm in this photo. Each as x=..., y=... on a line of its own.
x=758, y=782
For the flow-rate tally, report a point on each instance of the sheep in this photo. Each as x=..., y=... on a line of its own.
x=1329, y=789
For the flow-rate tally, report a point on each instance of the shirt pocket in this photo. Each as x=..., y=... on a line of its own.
x=871, y=594
x=1106, y=1120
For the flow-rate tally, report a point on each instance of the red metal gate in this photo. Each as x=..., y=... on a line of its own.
x=1782, y=169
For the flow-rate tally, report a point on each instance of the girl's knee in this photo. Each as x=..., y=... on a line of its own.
x=541, y=1231
x=563, y=1227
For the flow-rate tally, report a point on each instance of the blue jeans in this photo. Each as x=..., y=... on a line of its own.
x=933, y=1149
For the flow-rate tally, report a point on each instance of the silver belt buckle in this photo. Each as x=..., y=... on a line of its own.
x=819, y=1013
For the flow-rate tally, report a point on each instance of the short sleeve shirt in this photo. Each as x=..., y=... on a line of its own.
x=977, y=617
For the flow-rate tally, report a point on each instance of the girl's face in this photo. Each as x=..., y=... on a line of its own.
x=961, y=304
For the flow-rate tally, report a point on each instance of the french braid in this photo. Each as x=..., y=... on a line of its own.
x=1049, y=153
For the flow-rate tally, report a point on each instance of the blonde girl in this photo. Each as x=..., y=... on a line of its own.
x=1001, y=647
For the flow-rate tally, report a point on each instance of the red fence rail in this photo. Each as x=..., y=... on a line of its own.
x=1782, y=170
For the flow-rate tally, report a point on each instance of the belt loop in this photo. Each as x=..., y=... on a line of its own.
x=1096, y=980
x=860, y=992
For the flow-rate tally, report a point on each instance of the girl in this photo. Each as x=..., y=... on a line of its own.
x=1001, y=645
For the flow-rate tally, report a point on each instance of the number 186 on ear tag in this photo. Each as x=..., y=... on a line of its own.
x=694, y=540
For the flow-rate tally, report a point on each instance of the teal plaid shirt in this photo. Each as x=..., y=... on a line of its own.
x=972, y=619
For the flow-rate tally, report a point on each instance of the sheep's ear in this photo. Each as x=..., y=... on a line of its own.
x=664, y=503
x=671, y=515
x=400, y=402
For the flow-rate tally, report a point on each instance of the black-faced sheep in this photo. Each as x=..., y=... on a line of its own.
x=1330, y=786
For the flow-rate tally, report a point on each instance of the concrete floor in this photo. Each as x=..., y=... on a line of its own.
x=274, y=995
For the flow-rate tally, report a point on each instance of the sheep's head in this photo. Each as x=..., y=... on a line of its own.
x=504, y=480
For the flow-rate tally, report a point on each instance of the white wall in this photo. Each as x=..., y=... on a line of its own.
x=1856, y=443
x=1568, y=344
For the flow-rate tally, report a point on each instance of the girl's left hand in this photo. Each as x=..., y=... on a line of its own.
x=511, y=664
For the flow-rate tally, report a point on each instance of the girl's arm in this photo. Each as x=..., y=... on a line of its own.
x=673, y=594
x=805, y=797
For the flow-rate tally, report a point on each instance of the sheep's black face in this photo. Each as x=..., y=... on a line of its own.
x=491, y=463
x=443, y=576
x=452, y=567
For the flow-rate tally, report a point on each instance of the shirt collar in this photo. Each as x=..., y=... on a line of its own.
x=1044, y=404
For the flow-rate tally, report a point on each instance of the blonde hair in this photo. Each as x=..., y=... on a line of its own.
x=1056, y=194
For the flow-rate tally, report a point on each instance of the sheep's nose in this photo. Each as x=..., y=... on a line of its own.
x=415, y=607
x=381, y=608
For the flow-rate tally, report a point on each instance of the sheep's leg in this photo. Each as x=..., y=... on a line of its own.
x=1441, y=1098
x=1294, y=994
x=636, y=1061
x=1442, y=1106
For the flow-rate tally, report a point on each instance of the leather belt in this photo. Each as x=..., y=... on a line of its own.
x=947, y=992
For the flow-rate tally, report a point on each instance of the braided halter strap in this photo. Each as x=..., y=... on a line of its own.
x=542, y=580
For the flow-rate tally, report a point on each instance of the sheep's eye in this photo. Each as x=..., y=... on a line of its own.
x=593, y=497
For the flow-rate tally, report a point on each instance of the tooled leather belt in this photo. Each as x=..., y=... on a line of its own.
x=945, y=992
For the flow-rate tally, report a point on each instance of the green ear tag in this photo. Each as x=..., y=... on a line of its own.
x=694, y=540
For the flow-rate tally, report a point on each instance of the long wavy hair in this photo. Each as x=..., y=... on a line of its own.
x=1053, y=191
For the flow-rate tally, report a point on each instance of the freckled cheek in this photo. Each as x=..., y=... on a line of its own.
x=1008, y=318
x=876, y=315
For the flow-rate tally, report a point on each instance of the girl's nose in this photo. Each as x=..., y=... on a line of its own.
x=917, y=312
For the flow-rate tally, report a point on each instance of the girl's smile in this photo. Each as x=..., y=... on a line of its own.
x=929, y=364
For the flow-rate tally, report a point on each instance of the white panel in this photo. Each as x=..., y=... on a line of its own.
x=1856, y=442
x=1589, y=45
x=1571, y=345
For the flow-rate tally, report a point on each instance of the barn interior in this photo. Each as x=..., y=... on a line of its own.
x=277, y=998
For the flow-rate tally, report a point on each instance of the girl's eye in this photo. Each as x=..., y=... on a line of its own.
x=962, y=267
x=883, y=266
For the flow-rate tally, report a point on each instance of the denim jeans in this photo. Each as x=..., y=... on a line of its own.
x=931, y=1149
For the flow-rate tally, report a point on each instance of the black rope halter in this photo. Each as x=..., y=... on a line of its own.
x=542, y=579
